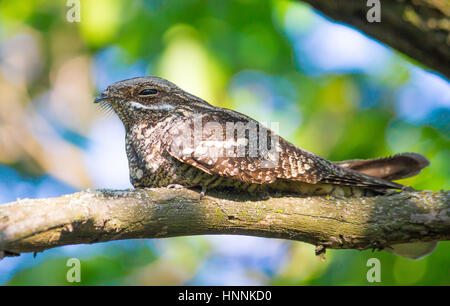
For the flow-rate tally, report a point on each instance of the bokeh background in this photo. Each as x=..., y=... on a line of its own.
x=333, y=90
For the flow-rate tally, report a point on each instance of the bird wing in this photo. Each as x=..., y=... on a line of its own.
x=227, y=143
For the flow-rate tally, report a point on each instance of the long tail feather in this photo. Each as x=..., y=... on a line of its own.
x=390, y=168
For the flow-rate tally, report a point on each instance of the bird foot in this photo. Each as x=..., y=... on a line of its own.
x=175, y=186
x=203, y=192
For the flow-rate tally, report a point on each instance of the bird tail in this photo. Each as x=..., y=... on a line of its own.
x=391, y=168
x=396, y=167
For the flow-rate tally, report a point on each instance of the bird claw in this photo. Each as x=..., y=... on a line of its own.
x=175, y=186
x=203, y=192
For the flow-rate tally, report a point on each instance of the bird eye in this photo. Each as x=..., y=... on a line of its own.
x=147, y=92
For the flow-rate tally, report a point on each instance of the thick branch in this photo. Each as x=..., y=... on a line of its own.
x=418, y=28
x=104, y=215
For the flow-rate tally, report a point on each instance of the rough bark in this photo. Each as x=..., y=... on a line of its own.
x=33, y=225
x=418, y=28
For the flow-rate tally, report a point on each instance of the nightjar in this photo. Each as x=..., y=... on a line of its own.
x=176, y=139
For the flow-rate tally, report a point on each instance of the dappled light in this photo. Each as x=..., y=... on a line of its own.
x=333, y=90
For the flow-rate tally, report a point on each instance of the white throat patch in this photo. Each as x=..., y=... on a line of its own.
x=151, y=107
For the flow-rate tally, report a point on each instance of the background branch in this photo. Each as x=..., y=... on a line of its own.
x=34, y=225
x=419, y=28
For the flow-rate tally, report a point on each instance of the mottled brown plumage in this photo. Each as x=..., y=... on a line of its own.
x=173, y=137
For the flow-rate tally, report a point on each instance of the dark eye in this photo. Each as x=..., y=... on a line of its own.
x=147, y=92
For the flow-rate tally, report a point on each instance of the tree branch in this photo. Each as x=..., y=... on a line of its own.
x=419, y=28
x=34, y=225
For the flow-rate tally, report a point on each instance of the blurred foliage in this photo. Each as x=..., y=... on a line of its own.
x=99, y=270
x=249, y=55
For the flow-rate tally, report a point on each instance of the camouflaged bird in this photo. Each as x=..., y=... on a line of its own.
x=176, y=139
